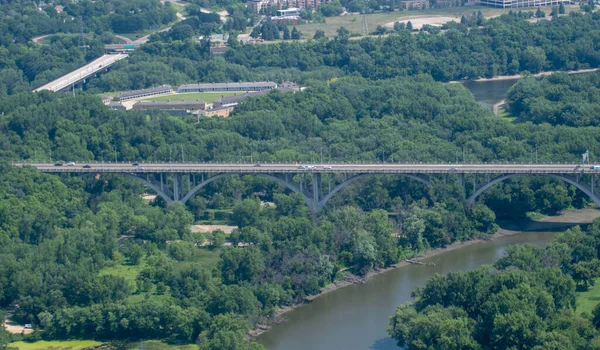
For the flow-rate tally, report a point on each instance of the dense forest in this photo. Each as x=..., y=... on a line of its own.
x=66, y=240
x=526, y=300
x=504, y=45
x=47, y=221
x=558, y=99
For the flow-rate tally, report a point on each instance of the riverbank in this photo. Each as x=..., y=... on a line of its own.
x=563, y=221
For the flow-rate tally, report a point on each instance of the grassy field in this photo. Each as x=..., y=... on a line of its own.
x=158, y=345
x=586, y=301
x=129, y=272
x=55, y=345
x=204, y=96
x=354, y=22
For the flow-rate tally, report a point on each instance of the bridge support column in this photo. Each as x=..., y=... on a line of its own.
x=177, y=187
x=461, y=179
x=316, y=182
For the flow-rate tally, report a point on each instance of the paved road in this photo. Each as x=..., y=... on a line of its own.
x=318, y=168
x=82, y=72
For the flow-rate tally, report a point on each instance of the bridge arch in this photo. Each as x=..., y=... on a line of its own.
x=315, y=205
x=152, y=186
x=336, y=189
x=583, y=188
x=199, y=186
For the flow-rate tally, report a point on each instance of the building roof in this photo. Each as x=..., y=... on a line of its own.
x=115, y=105
x=212, y=111
x=248, y=85
x=169, y=104
x=238, y=97
x=144, y=91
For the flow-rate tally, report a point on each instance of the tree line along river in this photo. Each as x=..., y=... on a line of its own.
x=356, y=317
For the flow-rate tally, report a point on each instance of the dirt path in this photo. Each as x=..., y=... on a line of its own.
x=12, y=327
x=518, y=76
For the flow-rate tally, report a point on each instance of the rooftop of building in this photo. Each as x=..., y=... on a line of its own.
x=169, y=103
x=144, y=91
x=241, y=96
x=248, y=85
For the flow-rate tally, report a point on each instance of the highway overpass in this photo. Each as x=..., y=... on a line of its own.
x=310, y=179
x=82, y=73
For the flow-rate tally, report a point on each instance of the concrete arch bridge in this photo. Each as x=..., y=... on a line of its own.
x=169, y=180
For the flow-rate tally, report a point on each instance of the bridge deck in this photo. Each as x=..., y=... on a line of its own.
x=356, y=168
x=82, y=72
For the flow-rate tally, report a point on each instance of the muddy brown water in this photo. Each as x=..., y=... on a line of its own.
x=356, y=317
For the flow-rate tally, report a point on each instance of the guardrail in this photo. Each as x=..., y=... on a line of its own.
x=247, y=170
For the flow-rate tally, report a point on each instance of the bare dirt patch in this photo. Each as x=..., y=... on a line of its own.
x=210, y=228
x=419, y=21
x=12, y=327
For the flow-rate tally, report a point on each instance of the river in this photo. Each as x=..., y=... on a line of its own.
x=488, y=93
x=356, y=317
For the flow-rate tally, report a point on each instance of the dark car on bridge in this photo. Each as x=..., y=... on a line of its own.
x=87, y=166
x=135, y=164
x=58, y=164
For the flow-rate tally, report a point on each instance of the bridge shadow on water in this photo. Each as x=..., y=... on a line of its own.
x=529, y=225
x=384, y=344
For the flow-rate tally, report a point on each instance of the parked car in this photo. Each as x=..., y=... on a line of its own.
x=28, y=326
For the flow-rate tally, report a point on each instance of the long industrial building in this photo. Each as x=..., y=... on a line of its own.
x=130, y=95
x=82, y=73
x=522, y=3
x=247, y=86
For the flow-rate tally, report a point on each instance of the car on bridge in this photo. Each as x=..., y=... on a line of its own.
x=135, y=164
x=87, y=166
x=71, y=163
x=59, y=163
x=596, y=167
x=256, y=164
x=302, y=167
x=327, y=167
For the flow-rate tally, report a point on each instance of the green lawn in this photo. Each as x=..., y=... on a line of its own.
x=207, y=258
x=586, y=301
x=158, y=345
x=56, y=345
x=354, y=22
x=192, y=96
x=129, y=272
